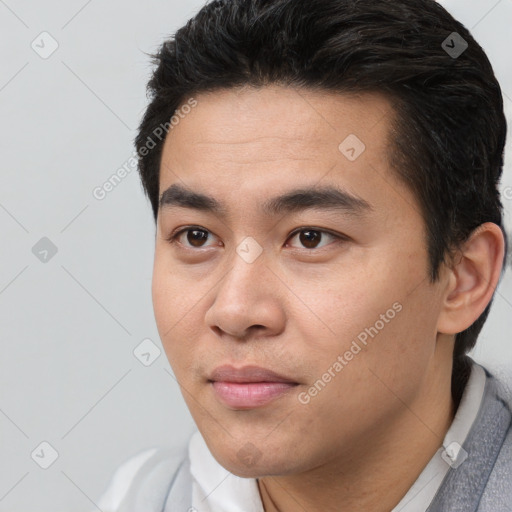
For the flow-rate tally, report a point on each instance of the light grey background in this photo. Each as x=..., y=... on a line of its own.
x=69, y=326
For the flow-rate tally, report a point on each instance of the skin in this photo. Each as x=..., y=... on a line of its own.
x=361, y=442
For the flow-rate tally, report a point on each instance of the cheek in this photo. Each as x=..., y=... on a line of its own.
x=340, y=305
x=173, y=296
x=375, y=316
x=173, y=306
x=164, y=297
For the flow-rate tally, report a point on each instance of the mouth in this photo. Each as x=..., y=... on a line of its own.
x=248, y=387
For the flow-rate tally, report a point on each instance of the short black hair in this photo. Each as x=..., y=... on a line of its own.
x=449, y=130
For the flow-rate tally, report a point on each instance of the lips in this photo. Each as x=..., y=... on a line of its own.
x=228, y=373
x=248, y=387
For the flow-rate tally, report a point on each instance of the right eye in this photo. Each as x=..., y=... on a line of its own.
x=195, y=237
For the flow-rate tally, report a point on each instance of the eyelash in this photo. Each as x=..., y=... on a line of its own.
x=173, y=237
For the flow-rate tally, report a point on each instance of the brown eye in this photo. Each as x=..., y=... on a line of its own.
x=196, y=237
x=312, y=238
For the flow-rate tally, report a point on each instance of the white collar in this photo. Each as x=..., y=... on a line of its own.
x=422, y=492
x=215, y=489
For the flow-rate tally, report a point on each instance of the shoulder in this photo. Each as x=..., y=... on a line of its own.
x=502, y=375
x=143, y=479
x=497, y=494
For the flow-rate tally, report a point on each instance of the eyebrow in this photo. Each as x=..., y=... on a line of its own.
x=318, y=198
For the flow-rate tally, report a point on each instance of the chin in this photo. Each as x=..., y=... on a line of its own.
x=252, y=462
x=257, y=470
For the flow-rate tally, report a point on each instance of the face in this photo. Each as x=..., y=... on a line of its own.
x=293, y=301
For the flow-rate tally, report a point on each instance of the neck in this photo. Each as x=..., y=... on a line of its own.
x=378, y=472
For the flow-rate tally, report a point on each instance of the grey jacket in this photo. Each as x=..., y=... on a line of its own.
x=482, y=483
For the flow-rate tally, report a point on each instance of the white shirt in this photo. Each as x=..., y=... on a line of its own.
x=215, y=489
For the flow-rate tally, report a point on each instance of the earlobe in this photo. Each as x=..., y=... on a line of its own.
x=472, y=279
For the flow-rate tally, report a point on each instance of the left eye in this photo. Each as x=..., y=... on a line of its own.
x=311, y=238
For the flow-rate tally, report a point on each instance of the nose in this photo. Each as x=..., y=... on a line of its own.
x=247, y=300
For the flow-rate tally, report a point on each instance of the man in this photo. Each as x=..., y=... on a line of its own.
x=324, y=180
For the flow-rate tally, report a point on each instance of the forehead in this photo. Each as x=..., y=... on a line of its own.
x=258, y=142
x=292, y=117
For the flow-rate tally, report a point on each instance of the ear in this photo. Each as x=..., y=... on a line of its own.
x=472, y=279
